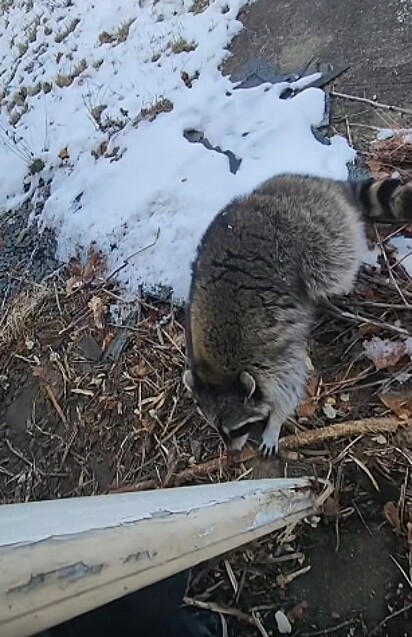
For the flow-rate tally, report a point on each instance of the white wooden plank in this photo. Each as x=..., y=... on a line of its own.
x=60, y=558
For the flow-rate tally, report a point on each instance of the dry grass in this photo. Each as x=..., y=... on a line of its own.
x=199, y=6
x=182, y=46
x=16, y=319
x=71, y=27
x=118, y=36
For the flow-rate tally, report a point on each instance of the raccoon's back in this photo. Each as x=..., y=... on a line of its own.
x=268, y=257
x=272, y=243
x=251, y=278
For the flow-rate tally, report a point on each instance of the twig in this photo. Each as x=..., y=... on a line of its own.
x=385, y=306
x=56, y=405
x=365, y=469
x=18, y=453
x=134, y=254
x=388, y=618
x=365, y=100
x=402, y=571
x=356, y=318
x=233, y=612
x=332, y=629
x=145, y=485
x=213, y=465
x=283, y=580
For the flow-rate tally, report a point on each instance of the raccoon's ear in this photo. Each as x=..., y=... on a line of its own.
x=248, y=384
x=188, y=380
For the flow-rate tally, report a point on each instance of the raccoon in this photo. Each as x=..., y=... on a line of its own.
x=262, y=266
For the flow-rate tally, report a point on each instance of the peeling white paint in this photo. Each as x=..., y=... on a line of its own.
x=76, y=515
x=71, y=572
x=208, y=531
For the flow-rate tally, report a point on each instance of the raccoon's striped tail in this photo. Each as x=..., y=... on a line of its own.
x=384, y=200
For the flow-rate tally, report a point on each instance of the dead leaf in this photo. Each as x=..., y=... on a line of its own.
x=105, y=38
x=99, y=311
x=383, y=352
x=380, y=439
x=377, y=170
x=297, y=613
x=391, y=513
x=399, y=404
x=329, y=411
x=140, y=370
x=93, y=266
x=29, y=344
x=83, y=275
x=309, y=406
x=64, y=154
x=107, y=340
x=39, y=372
x=73, y=284
x=331, y=508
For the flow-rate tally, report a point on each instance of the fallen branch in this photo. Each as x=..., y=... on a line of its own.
x=365, y=100
x=288, y=443
x=342, y=430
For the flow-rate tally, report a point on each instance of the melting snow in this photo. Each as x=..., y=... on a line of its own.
x=85, y=83
x=403, y=247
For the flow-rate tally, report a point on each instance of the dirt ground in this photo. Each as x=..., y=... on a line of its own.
x=90, y=406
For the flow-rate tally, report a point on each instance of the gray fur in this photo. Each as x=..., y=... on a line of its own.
x=262, y=266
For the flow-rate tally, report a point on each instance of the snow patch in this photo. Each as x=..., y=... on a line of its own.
x=403, y=247
x=107, y=102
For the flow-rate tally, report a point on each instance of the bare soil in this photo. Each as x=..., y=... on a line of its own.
x=89, y=406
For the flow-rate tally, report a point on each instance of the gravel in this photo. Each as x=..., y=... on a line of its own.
x=26, y=256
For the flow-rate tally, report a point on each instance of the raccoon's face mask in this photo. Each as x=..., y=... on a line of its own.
x=233, y=411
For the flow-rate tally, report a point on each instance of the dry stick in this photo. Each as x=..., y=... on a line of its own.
x=332, y=629
x=234, y=612
x=365, y=100
x=383, y=623
x=355, y=318
x=131, y=256
x=296, y=441
x=342, y=430
x=56, y=405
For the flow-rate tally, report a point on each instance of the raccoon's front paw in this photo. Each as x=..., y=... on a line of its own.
x=270, y=443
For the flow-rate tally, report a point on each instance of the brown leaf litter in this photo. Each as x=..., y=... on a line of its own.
x=90, y=403
x=394, y=154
